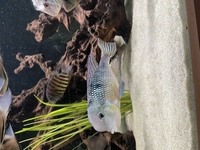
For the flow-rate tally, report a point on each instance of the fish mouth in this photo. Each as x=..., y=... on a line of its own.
x=113, y=130
x=105, y=118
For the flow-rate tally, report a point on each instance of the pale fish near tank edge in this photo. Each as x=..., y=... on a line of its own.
x=3, y=78
x=53, y=7
x=7, y=137
x=104, y=89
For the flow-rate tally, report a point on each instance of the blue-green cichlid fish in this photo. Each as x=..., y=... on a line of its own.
x=104, y=89
x=53, y=7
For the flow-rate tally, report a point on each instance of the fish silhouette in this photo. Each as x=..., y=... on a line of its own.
x=104, y=89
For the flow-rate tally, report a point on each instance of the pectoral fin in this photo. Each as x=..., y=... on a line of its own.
x=115, y=67
x=115, y=63
x=121, y=89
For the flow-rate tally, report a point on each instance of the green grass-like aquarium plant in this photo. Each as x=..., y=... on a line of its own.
x=64, y=123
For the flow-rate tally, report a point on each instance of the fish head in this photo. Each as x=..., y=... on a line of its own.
x=50, y=7
x=105, y=118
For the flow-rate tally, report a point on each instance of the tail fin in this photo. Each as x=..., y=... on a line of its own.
x=108, y=49
x=66, y=69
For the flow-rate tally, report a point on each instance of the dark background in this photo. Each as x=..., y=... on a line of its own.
x=14, y=16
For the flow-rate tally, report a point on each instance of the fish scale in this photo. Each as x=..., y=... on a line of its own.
x=104, y=74
x=104, y=77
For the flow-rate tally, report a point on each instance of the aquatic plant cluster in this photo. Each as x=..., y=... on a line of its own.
x=64, y=123
x=59, y=114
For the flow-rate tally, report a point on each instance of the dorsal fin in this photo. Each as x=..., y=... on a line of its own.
x=91, y=68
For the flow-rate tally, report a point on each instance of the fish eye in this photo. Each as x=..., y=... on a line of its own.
x=100, y=115
x=46, y=5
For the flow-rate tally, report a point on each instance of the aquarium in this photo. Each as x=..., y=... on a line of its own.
x=97, y=75
x=48, y=50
